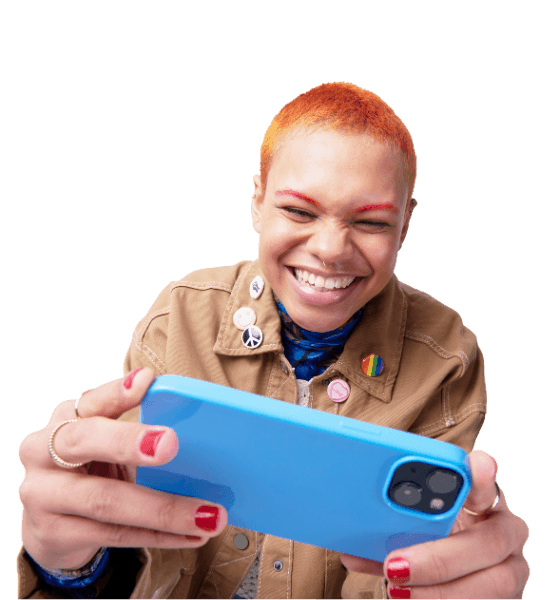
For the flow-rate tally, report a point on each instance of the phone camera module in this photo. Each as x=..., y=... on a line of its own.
x=407, y=494
x=424, y=487
x=442, y=482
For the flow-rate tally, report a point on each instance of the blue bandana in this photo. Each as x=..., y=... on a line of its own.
x=309, y=352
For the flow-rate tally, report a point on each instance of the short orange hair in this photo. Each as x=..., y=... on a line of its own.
x=344, y=107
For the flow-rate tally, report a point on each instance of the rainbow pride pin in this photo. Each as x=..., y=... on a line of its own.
x=372, y=365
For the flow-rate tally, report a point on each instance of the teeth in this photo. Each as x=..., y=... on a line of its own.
x=320, y=282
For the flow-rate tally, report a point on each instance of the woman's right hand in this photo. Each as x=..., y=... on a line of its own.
x=69, y=514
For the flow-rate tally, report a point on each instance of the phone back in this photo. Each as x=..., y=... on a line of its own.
x=303, y=474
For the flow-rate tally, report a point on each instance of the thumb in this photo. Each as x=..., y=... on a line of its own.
x=483, y=491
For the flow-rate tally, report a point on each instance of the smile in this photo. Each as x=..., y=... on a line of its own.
x=322, y=283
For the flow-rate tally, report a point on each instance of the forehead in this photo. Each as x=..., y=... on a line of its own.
x=338, y=164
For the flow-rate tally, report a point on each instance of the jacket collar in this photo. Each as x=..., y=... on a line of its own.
x=229, y=340
x=381, y=331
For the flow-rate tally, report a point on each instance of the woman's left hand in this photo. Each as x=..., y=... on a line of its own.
x=481, y=558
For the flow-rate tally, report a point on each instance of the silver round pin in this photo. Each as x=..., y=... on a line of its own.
x=256, y=287
x=244, y=317
x=252, y=337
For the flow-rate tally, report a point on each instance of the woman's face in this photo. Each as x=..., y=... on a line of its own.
x=331, y=221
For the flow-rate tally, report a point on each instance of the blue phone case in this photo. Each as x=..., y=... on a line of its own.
x=295, y=472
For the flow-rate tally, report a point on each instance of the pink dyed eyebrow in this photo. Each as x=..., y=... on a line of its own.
x=297, y=194
x=389, y=207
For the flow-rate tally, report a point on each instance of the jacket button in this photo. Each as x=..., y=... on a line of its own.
x=240, y=541
x=278, y=565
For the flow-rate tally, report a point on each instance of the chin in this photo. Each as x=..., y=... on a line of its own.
x=320, y=323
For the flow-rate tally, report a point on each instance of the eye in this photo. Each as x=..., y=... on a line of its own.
x=298, y=212
x=372, y=225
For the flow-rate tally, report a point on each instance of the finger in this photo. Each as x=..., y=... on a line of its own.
x=105, y=440
x=114, y=398
x=483, y=491
x=480, y=546
x=122, y=503
x=505, y=580
x=123, y=536
x=57, y=542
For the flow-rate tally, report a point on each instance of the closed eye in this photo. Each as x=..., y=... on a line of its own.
x=372, y=224
x=298, y=212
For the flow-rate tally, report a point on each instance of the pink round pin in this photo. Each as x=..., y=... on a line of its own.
x=338, y=390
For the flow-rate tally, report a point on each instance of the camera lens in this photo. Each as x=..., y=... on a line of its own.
x=442, y=482
x=407, y=494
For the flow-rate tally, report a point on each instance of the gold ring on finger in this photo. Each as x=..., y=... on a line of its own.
x=57, y=459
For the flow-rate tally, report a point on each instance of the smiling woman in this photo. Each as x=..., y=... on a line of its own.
x=312, y=214
x=320, y=320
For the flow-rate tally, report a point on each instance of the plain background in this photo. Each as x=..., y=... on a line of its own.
x=130, y=133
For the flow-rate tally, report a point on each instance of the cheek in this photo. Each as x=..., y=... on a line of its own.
x=276, y=239
x=272, y=246
x=382, y=253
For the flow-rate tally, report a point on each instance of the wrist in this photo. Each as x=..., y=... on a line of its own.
x=75, y=578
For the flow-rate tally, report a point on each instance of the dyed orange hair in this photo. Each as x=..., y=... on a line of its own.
x=344, y=107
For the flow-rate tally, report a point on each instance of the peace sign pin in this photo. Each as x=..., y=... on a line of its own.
x=252, y=337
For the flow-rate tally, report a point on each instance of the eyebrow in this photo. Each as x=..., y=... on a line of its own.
x=297, y=195
x=388, y=206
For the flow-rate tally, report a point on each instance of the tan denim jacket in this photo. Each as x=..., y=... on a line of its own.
x=432, y=384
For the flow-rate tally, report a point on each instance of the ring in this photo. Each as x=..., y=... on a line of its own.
x=483, y=512
x=57, y=459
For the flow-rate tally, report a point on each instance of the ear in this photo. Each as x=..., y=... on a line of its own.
x=257, y=204
x=408, y=214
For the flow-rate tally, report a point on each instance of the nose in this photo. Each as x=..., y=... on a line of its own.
x=330, y=242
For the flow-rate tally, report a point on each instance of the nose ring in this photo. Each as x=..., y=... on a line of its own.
x=329, y=266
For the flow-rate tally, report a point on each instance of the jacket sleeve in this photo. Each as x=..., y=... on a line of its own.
x=455, y=411
x=148, y=345
x=29, y=584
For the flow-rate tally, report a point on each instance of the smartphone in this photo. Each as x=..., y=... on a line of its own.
x=303, y=474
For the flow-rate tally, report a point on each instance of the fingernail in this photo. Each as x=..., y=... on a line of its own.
x=399, y=592
x=150, y=441
x=399, y=571
x=206, y=517
x=130, y=378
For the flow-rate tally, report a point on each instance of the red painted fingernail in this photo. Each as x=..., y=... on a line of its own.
x=399, y=592
x=150, y=441
x=206, y=517
x=398, y=570
x=130, y=378
x=193, y=538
